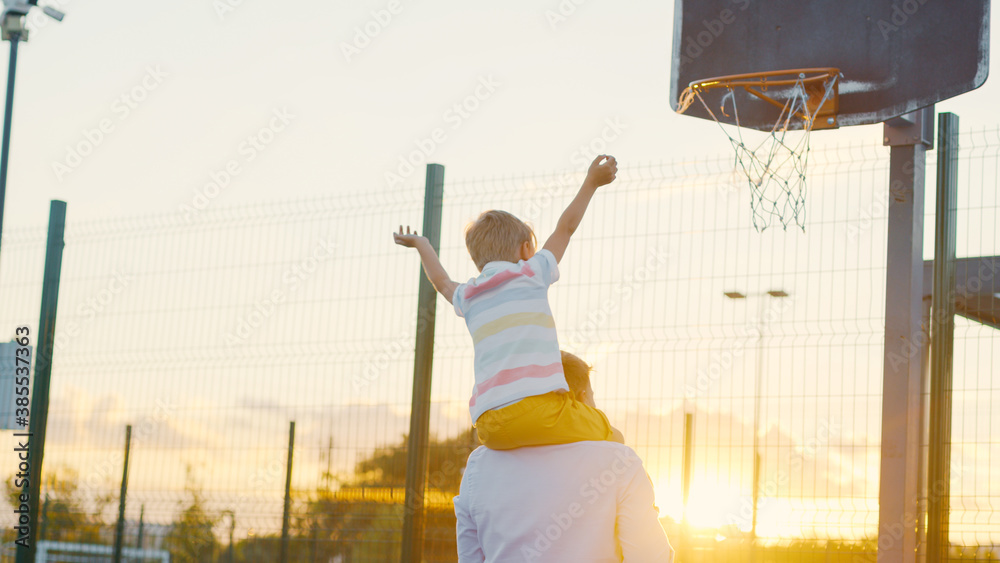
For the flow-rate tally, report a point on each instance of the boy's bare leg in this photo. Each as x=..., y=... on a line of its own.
x=617, y=435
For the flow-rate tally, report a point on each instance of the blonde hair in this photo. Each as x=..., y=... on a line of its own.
x=577, y=372
x=497, y=235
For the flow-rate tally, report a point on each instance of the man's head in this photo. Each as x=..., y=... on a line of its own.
x=578, y=377
x=498, y=235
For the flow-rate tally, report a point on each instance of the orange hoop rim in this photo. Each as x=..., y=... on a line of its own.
x=761, y=78
x=757, y=83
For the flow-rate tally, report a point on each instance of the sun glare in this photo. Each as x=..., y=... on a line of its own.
x=713, y=507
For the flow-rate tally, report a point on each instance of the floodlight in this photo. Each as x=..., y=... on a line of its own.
x=53, y=13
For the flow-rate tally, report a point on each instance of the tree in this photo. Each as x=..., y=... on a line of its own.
x=333, y=524
x=191, y=538
x=64, y=517
x=387, y=466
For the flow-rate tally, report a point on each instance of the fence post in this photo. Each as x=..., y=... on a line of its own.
x=38, y=417
x=417, y=455
x=942, y=340
x=288, y=494
x=685, y=543
x=142, y=519
x=45, y=518
x=232, y=528
x=120, y=528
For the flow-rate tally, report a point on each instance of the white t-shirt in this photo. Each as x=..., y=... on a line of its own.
x=514, y=335
x=579, y=502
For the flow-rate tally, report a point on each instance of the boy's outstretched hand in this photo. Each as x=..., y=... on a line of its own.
x=432, y=265
x=407, y=239
x=602, y=173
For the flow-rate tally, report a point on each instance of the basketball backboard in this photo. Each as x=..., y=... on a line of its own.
x=894, y=56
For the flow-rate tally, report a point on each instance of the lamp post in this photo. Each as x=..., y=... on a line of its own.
x=232, y=526
x=776, y=294
x=13, y=30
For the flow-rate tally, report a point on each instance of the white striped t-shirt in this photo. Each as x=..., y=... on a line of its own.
x=514, y=335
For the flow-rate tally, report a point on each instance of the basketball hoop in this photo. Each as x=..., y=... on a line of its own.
x=775, y=169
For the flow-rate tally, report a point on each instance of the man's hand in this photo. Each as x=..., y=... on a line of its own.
x=602, y=173
x=407, y=239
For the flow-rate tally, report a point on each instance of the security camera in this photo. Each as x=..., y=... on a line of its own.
x=14, y=7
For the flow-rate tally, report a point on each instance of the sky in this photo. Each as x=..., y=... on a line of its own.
x=183, y=88
x=168, y=108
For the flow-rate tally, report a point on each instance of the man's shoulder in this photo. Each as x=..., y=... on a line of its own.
x=528, y=468
x=598, y=449
x=477, y=454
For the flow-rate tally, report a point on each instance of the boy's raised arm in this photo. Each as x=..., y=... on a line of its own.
x=599, y=174
x=432, y=265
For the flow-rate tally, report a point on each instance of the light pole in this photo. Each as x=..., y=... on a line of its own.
x=777, y=294
x=232, y=526
x=12, y=26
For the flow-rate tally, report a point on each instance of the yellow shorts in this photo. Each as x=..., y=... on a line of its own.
x=539, y=420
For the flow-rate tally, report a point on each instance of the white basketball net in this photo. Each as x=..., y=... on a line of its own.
x=775, y=168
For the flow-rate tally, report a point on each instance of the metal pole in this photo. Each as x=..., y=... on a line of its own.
x=142, y=520
x=315, y=542
x=43, y=366
x=417, y=455
x=756, y=499
x=45, y=519
x=942, y=339
x=686, y=477
x=288, y=494
x=232, y=528
x=756, y=422
x=120, y=528
x=922, y=462
x=7, y=115
x=905, y=338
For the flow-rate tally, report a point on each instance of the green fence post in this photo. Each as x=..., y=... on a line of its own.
x=38, y=416
x=417, y=455
x=286, y=514
x=942, y=340
x=120, y=528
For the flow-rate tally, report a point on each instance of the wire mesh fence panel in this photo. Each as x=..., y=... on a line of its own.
x=211, y=332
